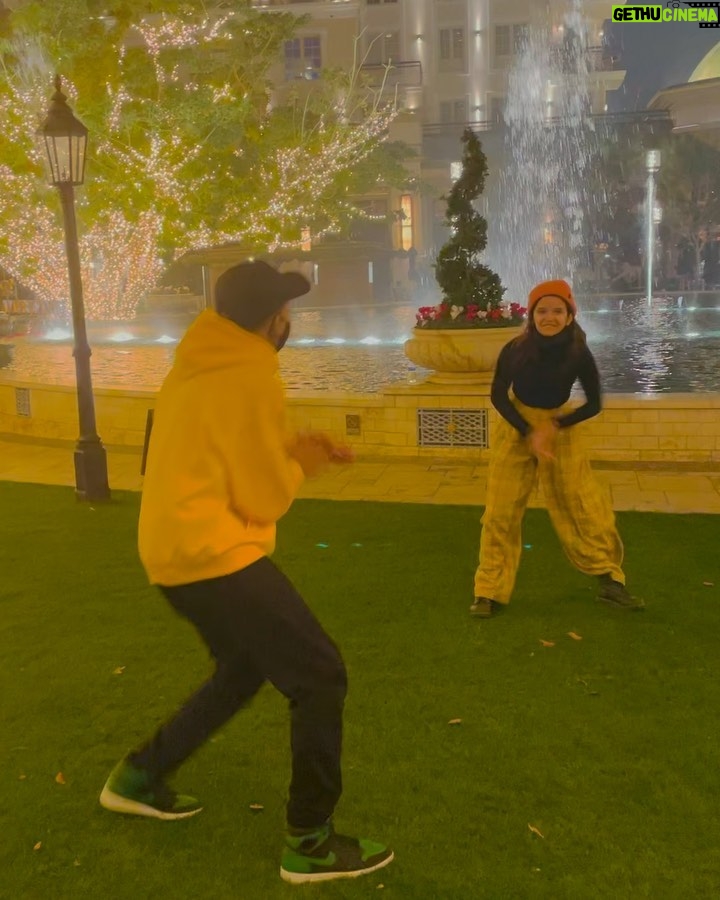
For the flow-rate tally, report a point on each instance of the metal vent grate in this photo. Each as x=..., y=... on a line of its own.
x=22, y=401
x=452, y=428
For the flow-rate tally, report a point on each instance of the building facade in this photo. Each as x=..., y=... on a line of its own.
x=448, y=62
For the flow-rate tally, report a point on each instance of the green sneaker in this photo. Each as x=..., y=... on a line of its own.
x=616, y=594
x=130, y=790
x=326, y=856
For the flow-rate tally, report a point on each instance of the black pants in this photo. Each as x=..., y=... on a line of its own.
x=259, y=629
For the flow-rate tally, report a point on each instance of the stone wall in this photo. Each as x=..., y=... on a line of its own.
x=633, y=428
x=50, y=412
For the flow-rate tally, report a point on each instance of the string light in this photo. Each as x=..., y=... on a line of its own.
x=166, y=174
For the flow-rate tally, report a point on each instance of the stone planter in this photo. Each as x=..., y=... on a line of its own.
x=459, y=355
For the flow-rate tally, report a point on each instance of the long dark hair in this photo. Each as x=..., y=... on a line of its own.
x=527, y=345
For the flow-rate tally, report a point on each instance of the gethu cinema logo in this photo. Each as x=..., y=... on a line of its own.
x=705, y=14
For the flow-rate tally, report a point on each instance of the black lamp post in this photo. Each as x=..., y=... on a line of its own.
x=64, y=141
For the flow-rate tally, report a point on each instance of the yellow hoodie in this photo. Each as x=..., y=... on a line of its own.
x=218, y=473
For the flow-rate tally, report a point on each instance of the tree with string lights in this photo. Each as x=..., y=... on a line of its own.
x=187, y=146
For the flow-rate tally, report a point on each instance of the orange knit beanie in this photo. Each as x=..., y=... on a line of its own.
x=557, y=288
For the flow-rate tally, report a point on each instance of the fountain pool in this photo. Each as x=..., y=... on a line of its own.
x=672, y=345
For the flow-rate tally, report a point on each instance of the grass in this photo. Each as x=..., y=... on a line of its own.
x=607, y=746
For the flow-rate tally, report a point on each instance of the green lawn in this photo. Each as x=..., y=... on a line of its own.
x=608, y=746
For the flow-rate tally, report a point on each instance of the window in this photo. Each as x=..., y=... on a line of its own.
x=502, y=40
x=303, y=58
x=510, y=40
x=454, y=110
x=453, y=55
x=406, y=222
x=520, y=38
x=378, y=2
x=497, y=109
x=383, y=47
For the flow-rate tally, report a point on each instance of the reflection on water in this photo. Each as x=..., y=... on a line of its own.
x=357, y=369
x=656, y=348
x=668, y=346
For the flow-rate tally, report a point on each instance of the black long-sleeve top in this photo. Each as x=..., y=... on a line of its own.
x=545, y=383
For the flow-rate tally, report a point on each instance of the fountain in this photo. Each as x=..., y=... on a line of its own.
x=539, y=221
x=361, y=351
x=544, y=189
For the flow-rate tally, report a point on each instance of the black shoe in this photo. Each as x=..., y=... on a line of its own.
x=483, y=608
x=616, y=594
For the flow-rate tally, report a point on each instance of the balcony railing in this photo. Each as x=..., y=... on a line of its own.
x=441, y=139
x=634, y=117
x=396, y=74
x=431, y=129
x=263, y=4
x=602, y=59
x=639, y=117
x=599, y=59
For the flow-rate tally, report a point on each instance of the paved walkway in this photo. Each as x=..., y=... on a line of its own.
x=671, y=489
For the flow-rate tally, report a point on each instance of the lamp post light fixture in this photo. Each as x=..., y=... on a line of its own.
x=652, y=160
x=63, y=140
x=652, y=167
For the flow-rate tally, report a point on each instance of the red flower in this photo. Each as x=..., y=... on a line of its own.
x=475, y=315
x=424, y=314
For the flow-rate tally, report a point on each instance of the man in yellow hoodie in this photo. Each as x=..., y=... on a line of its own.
x=221, y=470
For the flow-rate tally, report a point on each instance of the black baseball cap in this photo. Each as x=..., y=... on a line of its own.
x=252, y=292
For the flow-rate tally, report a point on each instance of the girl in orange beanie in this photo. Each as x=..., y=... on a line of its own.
x=535, y=437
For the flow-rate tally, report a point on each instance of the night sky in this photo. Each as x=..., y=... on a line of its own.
x=656, y=55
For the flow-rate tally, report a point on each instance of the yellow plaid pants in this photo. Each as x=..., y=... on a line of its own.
x=579, y=507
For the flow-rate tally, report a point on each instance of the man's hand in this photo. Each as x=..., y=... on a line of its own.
x=542, y=441
x=314, y=450
x=337, y=453
x=312, y=455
